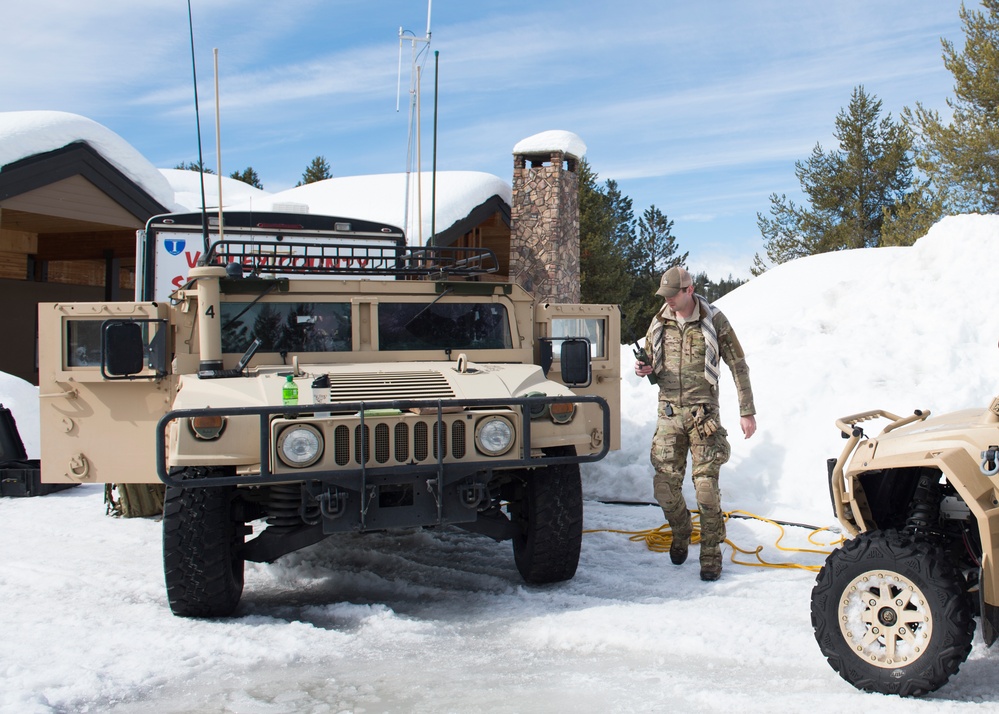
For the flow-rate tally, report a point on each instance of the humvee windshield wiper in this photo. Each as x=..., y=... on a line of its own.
x=429, y=305
x=261, y=296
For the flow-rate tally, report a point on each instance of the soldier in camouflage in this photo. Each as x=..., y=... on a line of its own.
x=685, y=340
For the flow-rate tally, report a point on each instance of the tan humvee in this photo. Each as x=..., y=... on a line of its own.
x=893, y=607
x=428, y=394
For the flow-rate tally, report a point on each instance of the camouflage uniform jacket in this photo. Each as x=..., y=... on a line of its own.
x=682, y=382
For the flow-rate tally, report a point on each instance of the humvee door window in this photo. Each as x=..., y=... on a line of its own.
x=286, y=326
x=442, y=326
x=83, y=343
x=593, y=329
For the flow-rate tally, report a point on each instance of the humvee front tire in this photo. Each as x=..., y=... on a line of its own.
x=890, y=614
x=549, y=519
x=202, y=562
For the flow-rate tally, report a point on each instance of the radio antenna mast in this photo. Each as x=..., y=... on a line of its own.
x=197, y=119
x=417, y=58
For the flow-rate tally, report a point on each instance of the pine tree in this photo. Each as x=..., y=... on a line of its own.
x=653, y=252
x=850, y=191
x=605, y=225
x=711, y=290
x=247, y=175
x=961, y=159
x=193, y=166
x=318, y=170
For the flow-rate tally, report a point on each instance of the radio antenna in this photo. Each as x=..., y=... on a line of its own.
x=414, y=118
x=197, y=119
x=218, y=141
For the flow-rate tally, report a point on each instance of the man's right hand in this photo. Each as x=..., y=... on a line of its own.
x=642, y=369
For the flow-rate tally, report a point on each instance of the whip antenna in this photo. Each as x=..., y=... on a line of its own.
x=197, y=119
x=414, y=118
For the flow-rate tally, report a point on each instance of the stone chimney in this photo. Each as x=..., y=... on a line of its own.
x=544, y=246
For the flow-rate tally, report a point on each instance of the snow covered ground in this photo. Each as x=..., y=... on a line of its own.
x=440, y=621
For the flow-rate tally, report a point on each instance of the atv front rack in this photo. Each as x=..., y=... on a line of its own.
x=839, y=488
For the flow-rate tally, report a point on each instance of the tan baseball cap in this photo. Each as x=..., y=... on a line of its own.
x=674, y=280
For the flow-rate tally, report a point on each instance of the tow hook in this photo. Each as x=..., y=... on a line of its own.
x=990, y=464
x=333, y=503
x=472, y=494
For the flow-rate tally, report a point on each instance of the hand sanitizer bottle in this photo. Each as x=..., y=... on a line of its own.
x=289, y=391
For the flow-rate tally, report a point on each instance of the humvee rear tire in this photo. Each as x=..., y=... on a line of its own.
x=891, y=615
x=202, y=560
x=549, y=519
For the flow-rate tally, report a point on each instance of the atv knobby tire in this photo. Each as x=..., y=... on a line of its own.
x=549, y=519
x=891, y=615
x=202, y=560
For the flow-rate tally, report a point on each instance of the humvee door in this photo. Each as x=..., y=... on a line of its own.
x=103, y=384
x=600, y=327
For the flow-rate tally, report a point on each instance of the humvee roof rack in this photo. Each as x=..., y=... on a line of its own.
x=272, y=255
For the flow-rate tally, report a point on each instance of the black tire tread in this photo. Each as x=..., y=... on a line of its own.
x=923, y=562
x=203, y=572
x=547, y=550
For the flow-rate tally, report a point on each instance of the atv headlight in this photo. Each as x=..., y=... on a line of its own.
x=494, y=436
x=300, y=445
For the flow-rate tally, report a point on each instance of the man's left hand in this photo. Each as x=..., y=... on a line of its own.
x=748, y=424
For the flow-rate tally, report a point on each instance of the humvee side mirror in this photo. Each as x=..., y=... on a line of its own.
x=574, y=359
x=123, y=350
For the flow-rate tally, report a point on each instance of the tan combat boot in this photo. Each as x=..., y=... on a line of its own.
x=711, y=562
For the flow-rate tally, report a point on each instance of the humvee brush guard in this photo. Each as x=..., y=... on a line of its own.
x=893, y=608
x=429, y=394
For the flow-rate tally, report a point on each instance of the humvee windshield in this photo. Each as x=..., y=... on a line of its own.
x=326, y=327
x=442, y=326
x=286, y=326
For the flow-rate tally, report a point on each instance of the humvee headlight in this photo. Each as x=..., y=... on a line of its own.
x=300, y=445
x=562, y=412
x=207, y=428
x=494, y=436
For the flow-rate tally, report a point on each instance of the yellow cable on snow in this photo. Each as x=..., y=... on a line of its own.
x=659, y=540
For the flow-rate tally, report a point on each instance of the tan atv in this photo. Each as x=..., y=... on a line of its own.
x=428, y=393
x=893, y=608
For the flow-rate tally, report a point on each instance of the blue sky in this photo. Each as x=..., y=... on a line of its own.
x=698, y=108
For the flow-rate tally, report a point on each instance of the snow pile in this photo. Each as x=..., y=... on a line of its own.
x=832, y=335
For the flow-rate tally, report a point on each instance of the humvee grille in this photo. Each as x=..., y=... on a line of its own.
x=394, y=446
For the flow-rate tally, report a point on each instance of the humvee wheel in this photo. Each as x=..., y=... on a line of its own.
x=202, y=563
x=890, y=614
x=549, y=517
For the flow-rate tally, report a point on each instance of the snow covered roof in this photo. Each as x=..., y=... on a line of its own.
x=26, y=134
x=382, y=198
x=186, y=187
x=548, y=141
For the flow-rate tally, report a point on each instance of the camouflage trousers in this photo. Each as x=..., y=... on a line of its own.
x=696, y=430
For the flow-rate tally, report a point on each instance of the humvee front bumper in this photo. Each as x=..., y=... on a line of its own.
x=367, y=441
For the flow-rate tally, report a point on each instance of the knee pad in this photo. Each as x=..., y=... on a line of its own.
x=707, y=491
